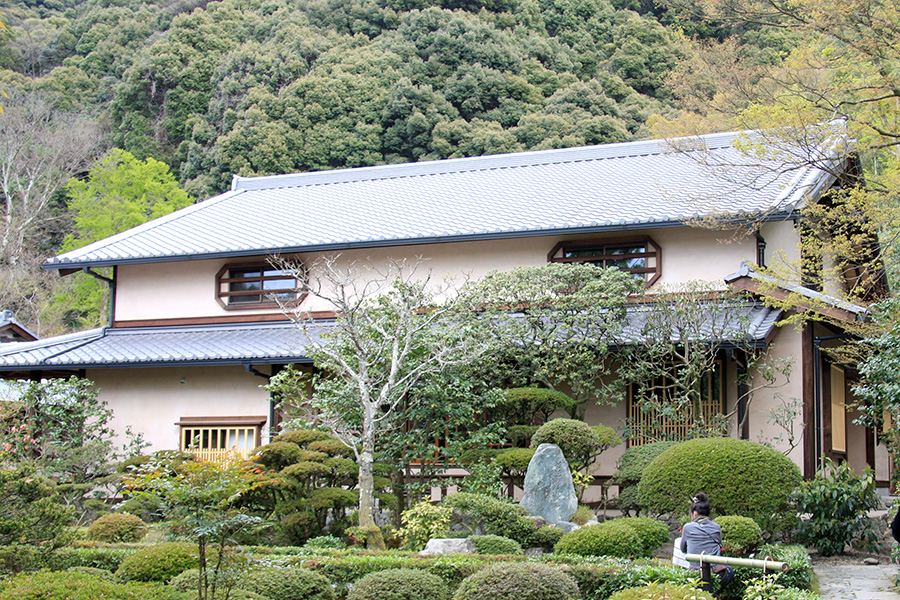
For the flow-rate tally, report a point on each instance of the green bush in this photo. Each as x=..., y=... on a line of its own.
x=147, y=508
x=578, y=441
x=498, y=517
x=518, y=581
x=325, y=542
x=495, y=544
x=769, y=587
x=582, y=515
x=651, y=532
x=291, y=583
x=400, y=584
x=662, y=591
x=837, y=502
x=520, y=435
x=14, y=559
x=630, y=469
x=159, y=563
x=741, y=478
x=524, y=405
x=547, y=536
x=423, y=522
x=277, y=455
x=302, y=437
x=515, y=460
x=48, y=585
x=345, y=569
x=611, y=538
x=93, y=572
x=117, y=528
x=741, y=536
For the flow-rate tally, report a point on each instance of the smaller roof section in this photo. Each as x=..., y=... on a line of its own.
x=13, y=331
x=649, y=183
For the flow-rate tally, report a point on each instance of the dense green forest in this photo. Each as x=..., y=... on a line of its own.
x=276, y=86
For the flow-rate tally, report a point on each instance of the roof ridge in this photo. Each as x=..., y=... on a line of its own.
x=473, y=163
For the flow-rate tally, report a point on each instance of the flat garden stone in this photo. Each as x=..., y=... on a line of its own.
x=439, y=546
x=549, y=491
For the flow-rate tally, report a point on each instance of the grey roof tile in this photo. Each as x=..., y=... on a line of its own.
x=592, y=188
x=253, y=343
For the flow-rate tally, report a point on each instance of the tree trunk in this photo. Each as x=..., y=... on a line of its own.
x=367, y=486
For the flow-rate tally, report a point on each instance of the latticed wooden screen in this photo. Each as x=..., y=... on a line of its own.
x=648, y=425
x=214, y=443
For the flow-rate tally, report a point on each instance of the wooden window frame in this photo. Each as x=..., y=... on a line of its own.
x=711, y=404
x=653, y=254
x=217, y=433
x=224, y=281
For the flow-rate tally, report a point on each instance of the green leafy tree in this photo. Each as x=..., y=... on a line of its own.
x=390, y=334
x=202, y=499
x=120, y=192
x=552, y=325
x=31, y=511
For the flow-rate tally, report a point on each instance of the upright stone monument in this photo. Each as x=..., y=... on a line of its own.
x=549, y=491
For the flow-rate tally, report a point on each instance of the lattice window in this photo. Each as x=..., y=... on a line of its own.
x=255, y=286
x=648, y=425
x=214, y=438
x=640, y=256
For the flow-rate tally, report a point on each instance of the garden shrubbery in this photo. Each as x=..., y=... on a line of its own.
x=495, y=544
x=49, y=585
x=116, y=528
x=578, y=441
x=611, y=538
x=400, y=584
x=662, y=591
x=740, y=476
x=630, y=469
x=651, y=532
x=289, y=583
x=741, y=536
x=159, y=563
x=497, y=516
x=518, y=581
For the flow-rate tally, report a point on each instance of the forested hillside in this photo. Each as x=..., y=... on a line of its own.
x=276, y=86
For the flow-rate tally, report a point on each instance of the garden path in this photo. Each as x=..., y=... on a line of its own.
x=856, y=581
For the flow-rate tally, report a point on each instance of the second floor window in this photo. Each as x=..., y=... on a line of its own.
x=255, y=286
x=639, y=256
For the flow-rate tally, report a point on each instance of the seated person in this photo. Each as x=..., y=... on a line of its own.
x=704, y=536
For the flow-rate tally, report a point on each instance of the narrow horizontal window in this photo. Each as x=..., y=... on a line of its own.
x=640, y=257
x=215, y=438
x=255, y=286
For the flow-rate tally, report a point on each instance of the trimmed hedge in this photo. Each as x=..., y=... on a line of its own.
x=400, y=584
x=290, y=583
x=518, y=581
x=347, y=569
x=631, y=467
x=495, y=545
x=577, y=440
x=159, y=563
x=741, y=478
x=663, y=591
x=50, y=585
x=611, y=538
x=15, y=559
x=499, y=517
x=116, y=528
x=741, y=536
x=652, y=533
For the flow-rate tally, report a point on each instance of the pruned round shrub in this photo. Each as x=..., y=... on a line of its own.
x=331, y=447
x=520, y=435
x=547, y=536
x=652, y=532
x=186, y=581
x=49, y=585
x=631, y=467
x=498, y=517
x=145, y=507
x=518, y=581
x=515, y=460
x=277, y=455
x=117, y=528
x=400, y=584
x=610, y=538
x=741, y=536
x=662, y=591
x=161, y=562
x=495, y=544
x=739, y=476
x=578, y=441
x=290, y=583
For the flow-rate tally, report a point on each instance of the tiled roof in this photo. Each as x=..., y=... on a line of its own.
x=589, y=189
x=158, y=346
x=256, y=343
x=13, y=331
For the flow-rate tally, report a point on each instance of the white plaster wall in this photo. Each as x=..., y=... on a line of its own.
x=152, y=401
x=187, y=289
x=782, y=248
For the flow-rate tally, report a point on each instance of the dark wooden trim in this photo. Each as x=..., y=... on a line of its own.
x=746, y=284
x=870, y=448
x=263, y=303
x=223, y=320
x=808, y=394
x=233, y=421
